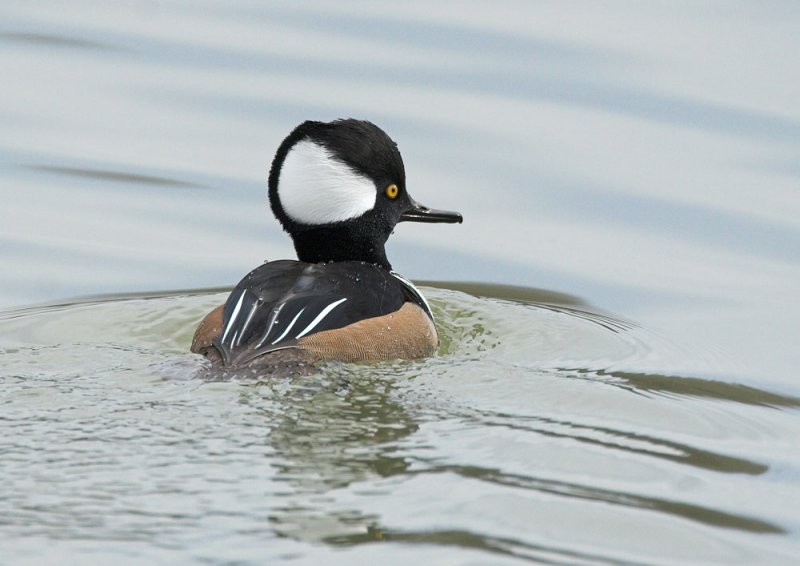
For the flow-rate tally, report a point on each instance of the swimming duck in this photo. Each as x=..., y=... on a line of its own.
x=338, y=189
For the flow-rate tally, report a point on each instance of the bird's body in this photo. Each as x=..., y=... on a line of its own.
x=339, y=190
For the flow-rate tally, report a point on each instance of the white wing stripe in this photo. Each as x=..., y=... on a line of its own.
x=233, y=316
x=271, y=323
x=248, y=319
x=320, y=316
x=413, y=288
x=288, y=328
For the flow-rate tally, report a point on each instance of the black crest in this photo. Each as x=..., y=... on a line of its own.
x=370, y=152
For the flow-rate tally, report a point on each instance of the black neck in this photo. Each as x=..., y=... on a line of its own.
x=331, y=244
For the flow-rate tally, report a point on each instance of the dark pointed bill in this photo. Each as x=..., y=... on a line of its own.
x=420, y=213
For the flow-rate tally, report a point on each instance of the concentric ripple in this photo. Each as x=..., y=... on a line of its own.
x=541, y=431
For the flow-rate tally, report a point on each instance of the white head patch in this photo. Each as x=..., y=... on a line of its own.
x=316, y=188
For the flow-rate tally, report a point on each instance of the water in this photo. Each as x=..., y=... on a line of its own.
x=620, y=386
x=535, y=433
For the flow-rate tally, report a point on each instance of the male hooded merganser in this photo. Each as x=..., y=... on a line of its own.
x=338, y=189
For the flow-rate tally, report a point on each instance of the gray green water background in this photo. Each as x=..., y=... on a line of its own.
x=618, y=375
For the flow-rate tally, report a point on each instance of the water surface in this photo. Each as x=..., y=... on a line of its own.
x=619, y=385
x=538, y=432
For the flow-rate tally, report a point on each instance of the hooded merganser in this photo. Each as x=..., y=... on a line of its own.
x=338, y=189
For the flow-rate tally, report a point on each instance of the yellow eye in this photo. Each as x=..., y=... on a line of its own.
x=392, y=191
